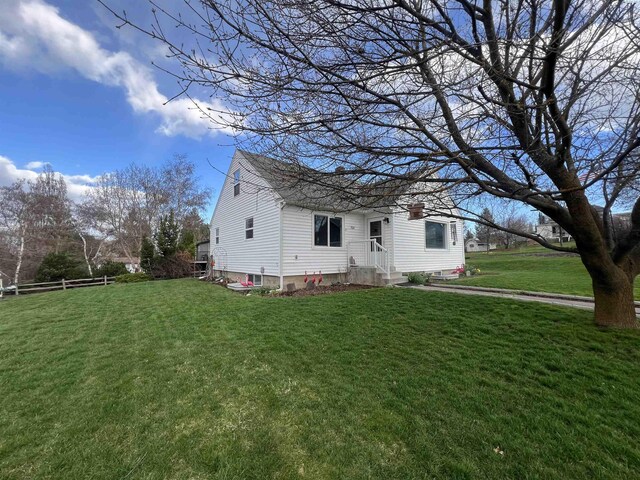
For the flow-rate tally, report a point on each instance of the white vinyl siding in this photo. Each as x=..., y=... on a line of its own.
x=256, y=201
x=299, y=254
x=410, y=251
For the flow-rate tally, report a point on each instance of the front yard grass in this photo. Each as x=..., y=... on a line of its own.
x=531, y=269
x=181, y=379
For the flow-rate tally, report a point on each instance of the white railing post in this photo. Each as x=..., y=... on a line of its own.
x=369, y=253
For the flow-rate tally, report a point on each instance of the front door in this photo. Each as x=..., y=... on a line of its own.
x=375, y=231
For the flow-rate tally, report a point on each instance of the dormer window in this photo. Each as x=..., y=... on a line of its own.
x=236, y=183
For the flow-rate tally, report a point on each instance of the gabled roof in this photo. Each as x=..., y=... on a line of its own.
x=309, y=188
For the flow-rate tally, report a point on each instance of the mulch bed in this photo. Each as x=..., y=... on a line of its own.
x=323, y=290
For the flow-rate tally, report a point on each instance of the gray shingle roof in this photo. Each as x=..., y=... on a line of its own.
x=305, y=187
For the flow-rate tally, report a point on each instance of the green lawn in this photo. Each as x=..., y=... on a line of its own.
x=181, y=379
x=534, y=268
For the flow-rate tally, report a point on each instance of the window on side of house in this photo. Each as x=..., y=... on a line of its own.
x=217, y=235
x=435, y=234
x=327, y=231
x=255, y=279
x=453, y=230
x=248, y=228
x=236, y=183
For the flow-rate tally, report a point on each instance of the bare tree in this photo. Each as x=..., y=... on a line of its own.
x=116, y=212
x=127, y=205
x=532, y=100
x=487, y=231
x=185, y=196
x=35, y=219
x=16, y=223
x=94, y=235
x=50, y=208
x=511, y=220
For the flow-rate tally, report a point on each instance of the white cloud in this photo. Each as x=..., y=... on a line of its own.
x=35, y=165
x=77, y=185
x=34, y=36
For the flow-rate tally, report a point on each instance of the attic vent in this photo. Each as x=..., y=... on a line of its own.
x=416, y=211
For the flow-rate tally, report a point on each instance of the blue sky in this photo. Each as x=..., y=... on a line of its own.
x=81, y=95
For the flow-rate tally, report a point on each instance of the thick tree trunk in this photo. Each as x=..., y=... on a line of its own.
x=614, y=301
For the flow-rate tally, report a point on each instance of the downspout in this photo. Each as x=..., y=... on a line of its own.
x=281, y=268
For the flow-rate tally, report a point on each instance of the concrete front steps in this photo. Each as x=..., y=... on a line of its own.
x=371, y=276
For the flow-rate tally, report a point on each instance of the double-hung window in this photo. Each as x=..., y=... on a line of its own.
x=248, y=228
x=327, y=231
x=435, y=235
x=217, y=235
x=236, y=183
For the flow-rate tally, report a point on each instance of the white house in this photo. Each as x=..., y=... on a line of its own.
x=279, y=232
x=551, y=231
x=475, y=245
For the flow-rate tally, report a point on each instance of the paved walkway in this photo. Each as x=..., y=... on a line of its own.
x=540, y=297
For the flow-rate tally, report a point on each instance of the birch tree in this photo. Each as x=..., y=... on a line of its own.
x=16, y=222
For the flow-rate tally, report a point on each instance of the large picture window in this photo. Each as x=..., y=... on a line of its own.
x=435, y=235
x=327, y=231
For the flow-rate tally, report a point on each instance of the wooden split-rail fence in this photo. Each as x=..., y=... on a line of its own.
x=63, y=284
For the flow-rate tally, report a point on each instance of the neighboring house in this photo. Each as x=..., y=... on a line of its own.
x=132, y=265
x=474, y=245
x=277, y=231
x=551, y=231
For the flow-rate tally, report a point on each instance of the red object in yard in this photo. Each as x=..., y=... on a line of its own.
x=246, y=282
x=306, y=277
x=320, y=278
x=313, y=280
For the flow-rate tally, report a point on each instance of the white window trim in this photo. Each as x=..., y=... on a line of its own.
x=313, y=232
x=236, y=182
x=447, y=242
x=254, y=277
x=451, y=240
x=217, y=236
x=253, y=228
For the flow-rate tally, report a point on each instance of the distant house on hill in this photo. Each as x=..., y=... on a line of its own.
x=551, y=231
x=474, y=245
